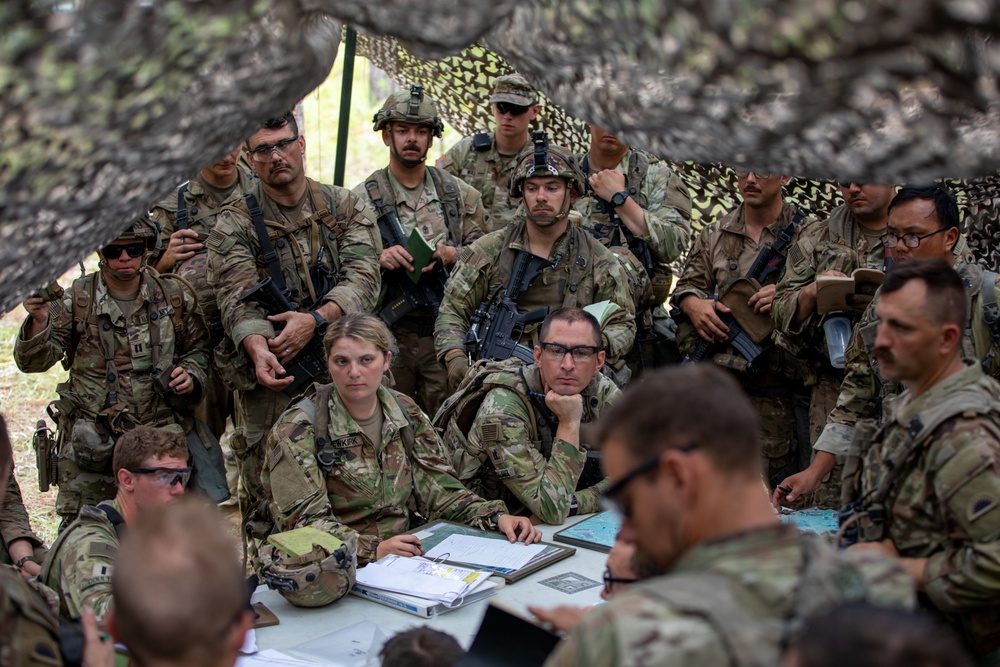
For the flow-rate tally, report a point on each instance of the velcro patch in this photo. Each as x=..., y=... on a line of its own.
x=489, y=430
x=979, y=506
x=101, y=549
x=795, y=254
x=275, y=457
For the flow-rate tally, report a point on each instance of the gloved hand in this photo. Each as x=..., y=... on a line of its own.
x=458, y=366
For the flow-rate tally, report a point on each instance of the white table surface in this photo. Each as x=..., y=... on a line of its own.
x=298, y=625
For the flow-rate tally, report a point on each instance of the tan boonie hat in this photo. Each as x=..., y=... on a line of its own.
x=757, y=325
x=514, y=89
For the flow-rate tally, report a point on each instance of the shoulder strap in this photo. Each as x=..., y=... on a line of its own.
x=380, y=191
x=182, y=210
x=113, y=516
x=267, y=248
x=447, y=189
x=326, y=455
x=116, y=519
x=543, y=417
x=406, y=433
x=81, y=298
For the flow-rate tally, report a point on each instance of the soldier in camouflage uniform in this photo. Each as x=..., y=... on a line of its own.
x=928, y=491
x=186, y=218
x=19, y=545
x=736, y=580
x=849, y=239
x=722, y=254
x=923, y=222
x=448, y=214
x=136, y=348
x=387, y=469
x=151, y=469
x=327, y=249
x=654, y=207
x=582, y=272
x=486, y=161
x=525, y=441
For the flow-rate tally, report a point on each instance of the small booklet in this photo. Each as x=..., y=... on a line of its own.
x=602, y=310
x=847, y=293
x=421, y=251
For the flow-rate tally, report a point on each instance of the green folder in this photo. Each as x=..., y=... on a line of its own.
x=421, y=252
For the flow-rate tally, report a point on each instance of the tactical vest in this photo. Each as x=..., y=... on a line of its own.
x=29, y=630
x=89, y=514
x=732, y=247
x=446, y=187
x=753, y=635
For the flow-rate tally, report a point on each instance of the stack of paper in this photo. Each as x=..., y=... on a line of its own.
x=486, y=552
x=422, y=578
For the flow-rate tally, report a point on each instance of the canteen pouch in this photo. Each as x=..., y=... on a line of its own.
x=91, y=447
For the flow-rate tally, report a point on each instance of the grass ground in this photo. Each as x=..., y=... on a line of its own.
x=23, y=398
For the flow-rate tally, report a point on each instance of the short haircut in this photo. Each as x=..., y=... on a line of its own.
x=178, y=584
x=691, y=403
x=862, y=635
x=363, y=327
x=571, y=316
x=134, y=448
x=946, y=298
x=279, y=122
x=945, y=204
x=421, y=647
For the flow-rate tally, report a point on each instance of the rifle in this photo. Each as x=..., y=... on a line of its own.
x=491, y=334
x=425, y=293
x=769, y=261
x=310, y=362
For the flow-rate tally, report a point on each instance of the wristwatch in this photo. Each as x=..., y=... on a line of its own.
x=619, y=198
x=496, y=519
x=321, y=323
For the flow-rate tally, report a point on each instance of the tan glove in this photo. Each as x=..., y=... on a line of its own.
x=458, y=366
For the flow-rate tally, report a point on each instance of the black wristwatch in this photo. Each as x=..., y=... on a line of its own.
x=619, y=198
x=321, y=323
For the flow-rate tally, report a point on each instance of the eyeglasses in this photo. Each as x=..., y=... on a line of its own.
x=580, y=353
x=512, y=109
x=114, y=251
x=610, y=500
x=165, y=476
x=265, y=152
x=759, y=175
x=891, y=240
x=611, y=581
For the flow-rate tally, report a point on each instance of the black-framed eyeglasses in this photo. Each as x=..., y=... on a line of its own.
x=610, y=500
x=265, y=152
x=512, y=109
x=740, y=173
x=580, y=353
x=610, y=581
x=114, y=251
x=891, y=239
x=165, y=476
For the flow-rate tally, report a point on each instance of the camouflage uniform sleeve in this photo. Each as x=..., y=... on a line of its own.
x=502, y=430
x=14, y=523
x=634, y=630
x=697, y=278
x=164, y=214
x=611, y=284
x=473, y=220
x=41, y=353
x=294, y=484
x=667, y=213
x=452, y=160
x=192, y=347
x=467, y=287
x=232, y=270
x=800, y=272
x=438, y=490
x=858, y=393
x=987, y=348
x=589, y=500
x=966, y=573
x=887, y=584
x=86, y=565
x=358, y=247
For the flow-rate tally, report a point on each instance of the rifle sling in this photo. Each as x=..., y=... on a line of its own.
x=267, y=248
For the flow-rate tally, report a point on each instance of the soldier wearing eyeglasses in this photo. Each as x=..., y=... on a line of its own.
x=486, y=160
x=923, y=223
x=525, y=444
x=151, y=469
x=136, y=348
x=317, y=245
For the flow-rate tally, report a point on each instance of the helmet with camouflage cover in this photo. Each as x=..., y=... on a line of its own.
x=143, y=229
x=315, y=579
x=409, y=107
x=541, y=159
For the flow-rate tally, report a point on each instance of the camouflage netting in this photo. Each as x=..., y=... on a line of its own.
x=104, y=114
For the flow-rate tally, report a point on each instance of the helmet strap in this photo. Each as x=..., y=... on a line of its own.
x=549, y=220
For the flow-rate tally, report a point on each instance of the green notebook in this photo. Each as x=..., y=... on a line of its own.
x=421, y=252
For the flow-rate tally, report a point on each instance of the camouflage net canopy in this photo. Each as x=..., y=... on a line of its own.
x=104, y=113
x=461, y=85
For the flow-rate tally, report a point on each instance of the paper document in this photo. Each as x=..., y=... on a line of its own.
x=353, y=646
x=271, y=658
x=422, y=578
x=485, y=551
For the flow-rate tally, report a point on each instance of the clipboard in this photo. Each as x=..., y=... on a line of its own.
x=434, y=532
x=597, y=532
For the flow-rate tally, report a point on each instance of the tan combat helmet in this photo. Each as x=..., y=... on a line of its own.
x=143, y=229
x=314, y=579
x=540, y=159
x=409, y=107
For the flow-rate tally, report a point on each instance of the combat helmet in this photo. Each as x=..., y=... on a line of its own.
x=541, y=159
x=314, y=579
x=143, y=229
x=409, y=107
